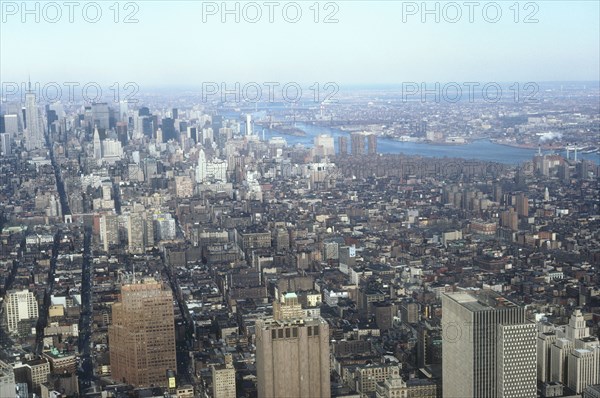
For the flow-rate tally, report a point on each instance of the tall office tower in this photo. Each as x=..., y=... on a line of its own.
x=5, y=144
x=142, y=335
x=101, y=115
x=372, y=141
x=97, y=145
x=123, y=112
x=19, y=305
x=175, y=113
x=248, y=124
x=168, y=129
x=201, y=167
x=358, y=144
x=34, y=137
x=11, y=124
x=343, y=145
x=193, y=134
x=292, y=355
x=324, y=145
x=223, y=378
x=489, y=349
x=51, y=117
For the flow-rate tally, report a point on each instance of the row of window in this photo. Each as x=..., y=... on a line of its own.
x=293, y=332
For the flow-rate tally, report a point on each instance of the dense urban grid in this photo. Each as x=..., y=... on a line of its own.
x=181, y=246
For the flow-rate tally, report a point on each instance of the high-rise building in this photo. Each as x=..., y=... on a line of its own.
x=168, y=129
x=489, y=348
x=193, y=134
x=5, y=144
x=201, y=167
x=343, y=145
x=34, y=137
x=101, y=115
x=135, y=232
x=7, y=380
x=248, y=124
x=11, y=124
x=358, y=144
x=142, y=335
x=97, y=145
x=19, y=305
x=324, y=145
x=569, y=355
x=109, y=230
x=292, y=354
x=372, y=141
x=522, y=204
x=223, y=379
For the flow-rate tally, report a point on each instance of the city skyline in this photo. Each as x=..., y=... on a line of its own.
x=310, y=199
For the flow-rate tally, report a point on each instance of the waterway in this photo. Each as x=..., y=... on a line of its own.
x=479, y=149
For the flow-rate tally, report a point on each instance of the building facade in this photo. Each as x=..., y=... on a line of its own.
x=142, y=335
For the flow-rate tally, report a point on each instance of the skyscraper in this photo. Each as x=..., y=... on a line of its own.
x=201, y=167
x=372, y=141
x=142, y=335
x=19, y=305
x=97, y=145
x=292, y=354
x=343, y=145
x=324, y=145
x=34, y=137
x=569, y=354
x=489, y=349
x=358, y=144
x=248, y=124
x=5, y=141
x=101, y=115
x=11, y=124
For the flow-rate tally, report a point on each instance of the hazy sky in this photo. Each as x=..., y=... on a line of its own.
x=172, y=45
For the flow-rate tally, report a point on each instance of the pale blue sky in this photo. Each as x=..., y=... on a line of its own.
x=370, y=44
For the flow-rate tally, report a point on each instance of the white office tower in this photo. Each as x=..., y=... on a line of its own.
x=97, y=145
x=19, y=305
x=248, y=124
x=201, y=167
x=489, y=349
x=34, y=137
x=569, y=355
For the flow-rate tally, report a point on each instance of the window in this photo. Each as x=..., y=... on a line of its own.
x=287, y=333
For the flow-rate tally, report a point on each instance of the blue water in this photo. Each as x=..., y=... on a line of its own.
x=480, y=149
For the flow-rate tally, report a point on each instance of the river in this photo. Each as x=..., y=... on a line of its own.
x=479, y=149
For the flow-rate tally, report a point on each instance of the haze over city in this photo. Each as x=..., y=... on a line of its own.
x=351, y=199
